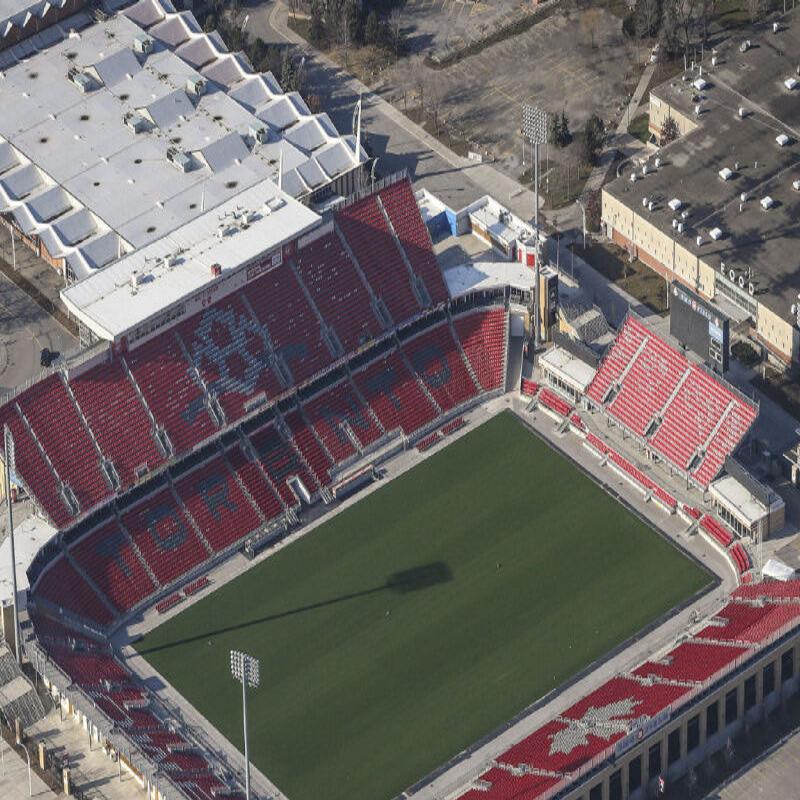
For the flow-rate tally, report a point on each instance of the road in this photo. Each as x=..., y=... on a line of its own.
x=25, y=328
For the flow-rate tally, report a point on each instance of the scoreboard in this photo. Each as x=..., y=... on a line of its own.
x=700, y=327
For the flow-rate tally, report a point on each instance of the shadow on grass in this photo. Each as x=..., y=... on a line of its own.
x=405, y=581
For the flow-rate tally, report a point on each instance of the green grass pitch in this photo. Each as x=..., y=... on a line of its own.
x=424, y=616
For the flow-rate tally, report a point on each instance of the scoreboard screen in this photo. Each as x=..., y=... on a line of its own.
x=700, y=327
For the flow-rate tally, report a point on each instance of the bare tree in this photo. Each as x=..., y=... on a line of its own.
x=647, y=16
x=343, y=24
x=705, y=14
x=435, y=100
x=588, y=25
x=757, y=9
x=396, y=29
x=419, y=83
x=678, y=24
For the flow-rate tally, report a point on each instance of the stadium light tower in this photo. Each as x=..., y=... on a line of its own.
x=534, y=128
x=8, y=447
x=245, y=669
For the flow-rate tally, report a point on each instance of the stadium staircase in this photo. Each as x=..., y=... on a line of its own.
x=329, y=337
x=215, y=410
x=188, y=515
x=461, y=350
x=85, y=576
x=234, y=475
x=137, y=552
x=417, y=284
x=379, y=309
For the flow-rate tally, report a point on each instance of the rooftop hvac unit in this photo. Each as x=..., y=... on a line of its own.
x=142, y=45
x=684, y=214
x=680, y=227
x=782, y=139
x=699, y=240
x=136, y=279
x=644, y=170
x=790, y=83
x=83, y=81
x=715, y=234
x=796, y=185
x=674, y=222
x=767, y=202
x=180, y=159
x=135, y=122
x=633, y=177
x=657, y=162
x=697, y=110
x=644, y=202
x=726, y=174
x=196, y=86
x=744, y=46
x=743, y=197
x=651, y=205
x=775, y=27
x=216, y=270
x=675, y=204
x=700, y=84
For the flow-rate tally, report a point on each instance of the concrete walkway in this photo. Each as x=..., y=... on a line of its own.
x=620, y=140
x=14, y=777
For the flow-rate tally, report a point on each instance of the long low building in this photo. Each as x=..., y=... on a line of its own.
x=718, y=209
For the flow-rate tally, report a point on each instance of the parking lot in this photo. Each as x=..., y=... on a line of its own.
x=25, y=327
x=575, y=60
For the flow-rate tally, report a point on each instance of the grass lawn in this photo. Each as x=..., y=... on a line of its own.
x=635, y=277
x=424, y=616
x=639, y=127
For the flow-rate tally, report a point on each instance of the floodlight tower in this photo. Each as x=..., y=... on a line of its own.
x=534, y=128
x=8, y=446
x=246, y=670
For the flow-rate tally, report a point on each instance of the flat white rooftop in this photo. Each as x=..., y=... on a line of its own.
x=488, y=275
x=739, y=500
x=232, y=236
x=120, y=132
x=576, y=372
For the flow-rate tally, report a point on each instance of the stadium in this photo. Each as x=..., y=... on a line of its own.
x=292, y=433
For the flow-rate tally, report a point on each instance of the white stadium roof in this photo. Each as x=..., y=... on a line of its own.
x=74, y=172
x=235, y=233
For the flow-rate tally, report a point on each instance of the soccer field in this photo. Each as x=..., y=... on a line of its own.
x=424, y=616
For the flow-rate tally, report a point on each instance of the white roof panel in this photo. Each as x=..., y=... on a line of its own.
x=105, y=300
x=117, y=67
x=19, y=183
